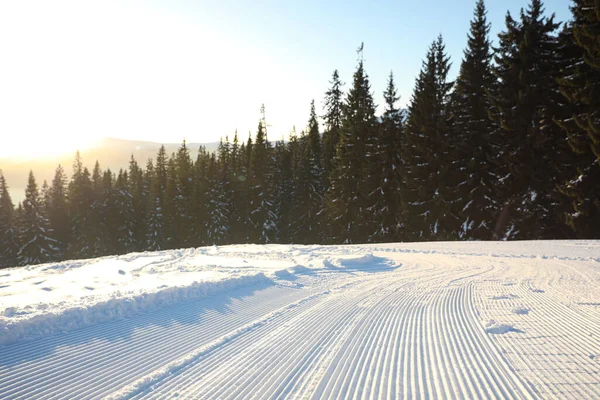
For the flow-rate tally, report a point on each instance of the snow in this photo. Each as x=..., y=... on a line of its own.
x=429, y=320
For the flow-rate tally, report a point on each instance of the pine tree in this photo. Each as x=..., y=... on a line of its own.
x=125, y=222
x=184, y=218
x=310, y=186
x=217, y=203
x=80, y=196
x=9, y=240
x=111, y=217
x=58, y=213
x=333, y=122
x=35, y=233
x=97, y=215
x=201, y=198
x=239, y=215
x=261, y=194
x=387, y=201
x=580, y=84
x=172, y=229
x=429, y=176
x=347, y=195
x=156, y=233
x=523, y=104
x=138, y=200
x=284, y=195
x=474, y=133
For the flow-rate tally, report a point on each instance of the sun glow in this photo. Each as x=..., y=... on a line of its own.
x=75, y=72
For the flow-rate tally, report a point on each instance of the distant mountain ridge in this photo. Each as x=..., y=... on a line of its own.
x=111, y=153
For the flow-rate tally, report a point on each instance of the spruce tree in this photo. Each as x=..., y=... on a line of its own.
x=310, y=186
x=183, y=207
x=261, y=193
x=58, y=212
x=580, y=84
x=523, y=105
x=37, y=245
x=333, y=121
x=138, y=200
x=9, y=240
x=430, y=197
x=474, y=130
x=347, y=195
x=125, y=220
x=217, y=204
x=386, y=198
x=156, y=235
x=80, y=197
x=238, y=220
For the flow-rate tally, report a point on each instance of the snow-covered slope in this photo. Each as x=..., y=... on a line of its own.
x=431, y=320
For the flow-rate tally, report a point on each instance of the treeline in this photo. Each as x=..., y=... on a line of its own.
x=510, y=150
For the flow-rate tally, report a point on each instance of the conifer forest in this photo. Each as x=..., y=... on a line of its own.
x=509, y=150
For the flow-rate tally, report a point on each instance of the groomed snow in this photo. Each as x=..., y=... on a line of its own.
x=430, y=320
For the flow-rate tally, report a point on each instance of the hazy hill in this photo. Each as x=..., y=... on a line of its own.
x=110, y=152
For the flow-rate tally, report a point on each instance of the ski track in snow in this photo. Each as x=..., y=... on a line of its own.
x=517, y=320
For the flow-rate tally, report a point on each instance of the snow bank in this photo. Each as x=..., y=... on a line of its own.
x=118, y=306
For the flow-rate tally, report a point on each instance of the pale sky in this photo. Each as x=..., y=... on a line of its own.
x=75, y=71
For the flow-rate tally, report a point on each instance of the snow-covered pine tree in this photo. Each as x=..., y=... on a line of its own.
x=218, y=204
x=431, y=182
x=474, y=130
x=58, y=214
x=310, y=186
x=185, y=228
x=580, y=84
x=98, y=215
x=156, y=232
x=37, y=245
x=346, y=202
x=124, y=214
x=202, y=193
x=284, y=196
x=239, y=214
x=80, y=198
x=333, y=122
x=9, y=240
x=523, y=104
x=110, y=225
x=263, y=221
x=138, y=201
x=386, y=199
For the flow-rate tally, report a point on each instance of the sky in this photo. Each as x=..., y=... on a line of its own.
x=163, y=71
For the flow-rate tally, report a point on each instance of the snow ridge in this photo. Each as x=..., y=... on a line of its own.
x=120, y=306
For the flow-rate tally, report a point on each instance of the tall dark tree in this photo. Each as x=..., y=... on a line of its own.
x=156, y=235
x=580, y=84
x=347, y=196
x=37, y=245
x=429, y=176
x=523, y=104
x=125, y=225
x=58, y=212
x=217, y=204
x=138, y=200
x=238, y=220
x=80, y=206
x=386, y=198
x=333, y=121
x=261, y=194
x=310, y=186
x=474, y=130
x=9, y=241
x=184, y=199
